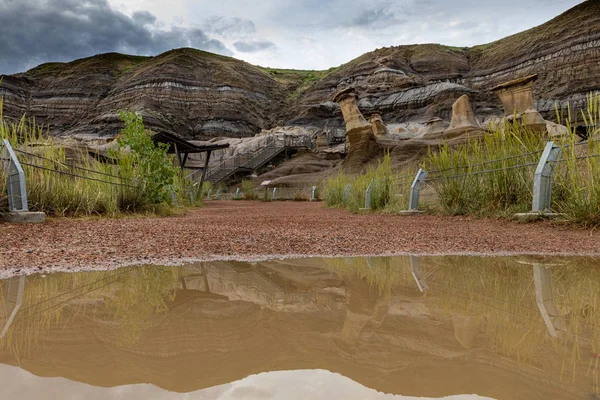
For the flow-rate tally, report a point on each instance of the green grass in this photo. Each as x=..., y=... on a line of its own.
x=67, y=195
x=509, y=188
x=389, y=189
x=462, y=188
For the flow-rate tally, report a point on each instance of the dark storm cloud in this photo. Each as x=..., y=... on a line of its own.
x=37, y=31
x=252, y=46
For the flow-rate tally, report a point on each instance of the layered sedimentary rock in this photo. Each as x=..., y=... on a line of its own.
x=463, y=121
x=187, y=92
x=377, y=125
x=359, y=133
x=517, y=99
x=427, y=79
x=198, y=95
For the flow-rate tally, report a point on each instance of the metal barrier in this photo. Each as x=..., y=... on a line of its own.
x=16, y=188
x=415, y=190
x=542, y=182
x=368, y=195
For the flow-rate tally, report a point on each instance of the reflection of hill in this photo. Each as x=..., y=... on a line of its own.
x=400, y=344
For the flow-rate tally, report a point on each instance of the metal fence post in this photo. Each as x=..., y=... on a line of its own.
x=275, y=193
x=237, y=194
x=209, y=193
x=542, y=181
x=347, y=192
x=313, y=196
x=368, y=196
x=15, y=188
x=192, y=196
x=415, y=190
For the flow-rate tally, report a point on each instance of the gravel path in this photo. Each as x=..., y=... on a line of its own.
x=251, y=230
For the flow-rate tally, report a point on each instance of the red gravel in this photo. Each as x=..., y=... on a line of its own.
x=243, y=230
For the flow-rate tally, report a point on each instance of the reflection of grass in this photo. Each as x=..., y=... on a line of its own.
x=144, y=292
x=383, y=273
x=131, y=297
x=500, y=294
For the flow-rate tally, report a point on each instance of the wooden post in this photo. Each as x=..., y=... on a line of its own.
x=205, y=169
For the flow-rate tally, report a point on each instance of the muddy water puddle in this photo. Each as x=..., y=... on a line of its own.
x=351, y=328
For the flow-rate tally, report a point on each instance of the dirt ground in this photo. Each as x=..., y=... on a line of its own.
x=257, y=230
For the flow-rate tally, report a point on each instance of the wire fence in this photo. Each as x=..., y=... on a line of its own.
x=71, y=166
x=76, y=175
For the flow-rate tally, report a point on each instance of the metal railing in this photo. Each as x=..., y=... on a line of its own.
x=253, y=160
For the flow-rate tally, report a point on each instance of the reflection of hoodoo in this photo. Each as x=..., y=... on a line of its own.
x=364, y=304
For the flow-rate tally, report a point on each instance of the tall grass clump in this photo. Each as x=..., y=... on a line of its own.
x=488, y=175
x=65, y=181
x=577, y=176
x=349, y=191
x=248, y=190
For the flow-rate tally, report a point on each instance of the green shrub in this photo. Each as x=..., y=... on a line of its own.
x=69, y=182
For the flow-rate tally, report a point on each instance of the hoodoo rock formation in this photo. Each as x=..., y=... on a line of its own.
x=202, y=96
x=517, y=100
x=463, y=119
x=359, y=133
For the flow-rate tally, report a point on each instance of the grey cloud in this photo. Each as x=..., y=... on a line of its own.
x=229, y=26
x=377, y=18
x=33, y=32
x=252, y=46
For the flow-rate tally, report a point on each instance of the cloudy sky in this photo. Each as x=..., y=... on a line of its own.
x=301, y=34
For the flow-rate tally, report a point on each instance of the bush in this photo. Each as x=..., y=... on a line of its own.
x=64, y=181
x=146, y=165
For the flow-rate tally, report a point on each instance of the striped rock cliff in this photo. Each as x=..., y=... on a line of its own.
x=199, y=95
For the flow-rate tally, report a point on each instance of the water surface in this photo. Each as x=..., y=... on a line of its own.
x=365, y=328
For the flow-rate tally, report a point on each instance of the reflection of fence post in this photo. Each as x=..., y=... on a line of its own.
x=237, y=194
x=274, y=193
x=13, y=293
x=415, y=268
x=542, y=183
x=368, y=196
x=313, y=195
x=16, y=188
x=542, y=276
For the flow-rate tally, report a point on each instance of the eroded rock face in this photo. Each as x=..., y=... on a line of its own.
x=463, y=119
x=191, y=93
x=377, y=125
x=517, y=100
x=198, y=95
x=428, y=79
x=359, y=134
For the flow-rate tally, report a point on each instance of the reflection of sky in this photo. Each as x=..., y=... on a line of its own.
x=305, y=384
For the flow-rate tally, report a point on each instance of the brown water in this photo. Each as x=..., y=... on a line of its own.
x=356, y=328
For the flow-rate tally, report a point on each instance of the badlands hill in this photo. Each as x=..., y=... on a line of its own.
x=200, y=95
